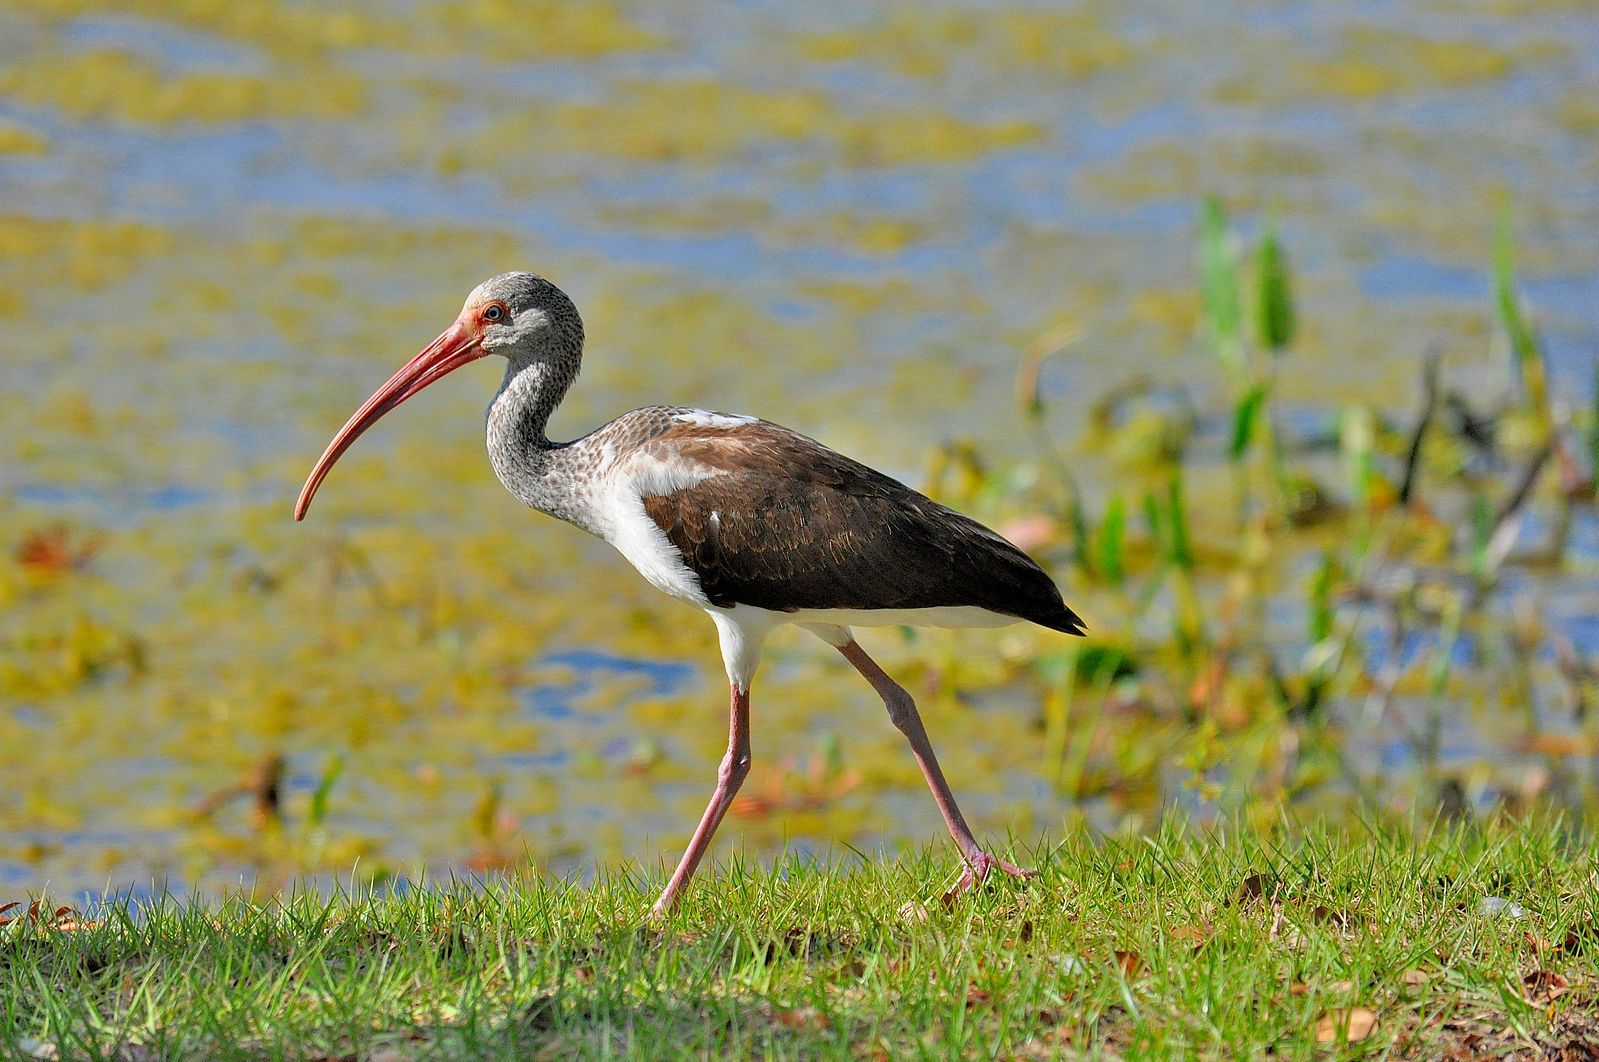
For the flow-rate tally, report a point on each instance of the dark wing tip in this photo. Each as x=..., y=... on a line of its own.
x=1066, y=621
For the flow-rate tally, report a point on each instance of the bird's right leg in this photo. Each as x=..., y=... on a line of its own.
x=735, y=767
x=902, y=712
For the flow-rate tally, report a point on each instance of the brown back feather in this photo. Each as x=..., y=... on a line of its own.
x=790, y=524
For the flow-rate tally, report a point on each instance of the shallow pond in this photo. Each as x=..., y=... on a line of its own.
x=222, y=225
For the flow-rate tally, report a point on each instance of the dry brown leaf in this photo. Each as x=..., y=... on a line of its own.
x=1581, y=939
x=1252, y=888
x=1543, y=987
x=1345, y=1026
x=1131, y=963
x=52, y=550
x=1414, y=977
x=1195, y=935
x=1299, y=987
x=73, y=925
x=805, y=1019
x=978, y=997
x=1558, y=745
x=1324, y=915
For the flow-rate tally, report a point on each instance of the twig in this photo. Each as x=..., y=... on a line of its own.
x=1507, y=525
x=1429, y=406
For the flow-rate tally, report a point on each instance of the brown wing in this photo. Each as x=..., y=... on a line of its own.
x=790, y=524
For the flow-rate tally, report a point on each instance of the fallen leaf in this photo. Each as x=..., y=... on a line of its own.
x=1130, y=962
x=73, y=925
x=1337, y=917
x=805, y=1019
x=53, y=551
x=912, y=911
x=1414, y=977
x=1252, y=888
x=1345, y=1026
x=1558, y=745
x=1581, y=939
x=977, y=997
x=1543, y=987
x=1195, y=935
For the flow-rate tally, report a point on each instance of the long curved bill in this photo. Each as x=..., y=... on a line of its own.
x=459, y=344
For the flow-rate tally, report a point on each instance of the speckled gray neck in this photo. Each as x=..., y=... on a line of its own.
x=542, y=474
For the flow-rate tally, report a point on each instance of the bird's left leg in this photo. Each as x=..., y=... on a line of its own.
x=902, y=712
x=735, y=766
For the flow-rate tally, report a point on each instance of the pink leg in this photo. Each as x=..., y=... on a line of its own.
x=735, y=766
x=902, y=712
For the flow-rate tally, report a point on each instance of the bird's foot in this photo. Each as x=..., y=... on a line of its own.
x=978, y=866
x=661, y=910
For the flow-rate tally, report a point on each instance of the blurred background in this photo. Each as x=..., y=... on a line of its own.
x=1269, y=327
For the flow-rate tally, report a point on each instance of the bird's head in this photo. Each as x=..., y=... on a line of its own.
x=519, y=316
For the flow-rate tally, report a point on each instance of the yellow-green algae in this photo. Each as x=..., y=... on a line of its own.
x=709, y=120
x=20, y=140
x=926, y=43
x=401, y=628
x=497, y=29
x=108, y=84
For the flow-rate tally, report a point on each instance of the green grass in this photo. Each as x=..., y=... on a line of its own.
x=1181, y=943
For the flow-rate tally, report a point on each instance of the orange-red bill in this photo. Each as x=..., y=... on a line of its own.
x=460, y=343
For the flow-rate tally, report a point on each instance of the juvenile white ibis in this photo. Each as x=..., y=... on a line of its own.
x=753, y=523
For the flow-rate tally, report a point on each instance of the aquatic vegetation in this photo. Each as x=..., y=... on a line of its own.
x=290, y=29
x=1322, y=569
x=20, y=140
x=926, y=44
x=116, y=85
x=709, y=120
x=1370, y=62
x=1402, y=610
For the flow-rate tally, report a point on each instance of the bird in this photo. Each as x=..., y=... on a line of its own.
x=753, y=523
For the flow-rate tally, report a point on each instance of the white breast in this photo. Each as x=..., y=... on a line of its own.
x=625, y=524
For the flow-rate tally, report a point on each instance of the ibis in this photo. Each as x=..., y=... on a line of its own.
x=752, y=523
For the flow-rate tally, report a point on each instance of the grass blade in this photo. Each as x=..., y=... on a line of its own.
x=1274, y=306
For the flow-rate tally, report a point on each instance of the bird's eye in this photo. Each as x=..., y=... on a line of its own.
x=494, y=312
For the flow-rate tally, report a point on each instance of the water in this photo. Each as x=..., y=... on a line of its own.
x=849, y=219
